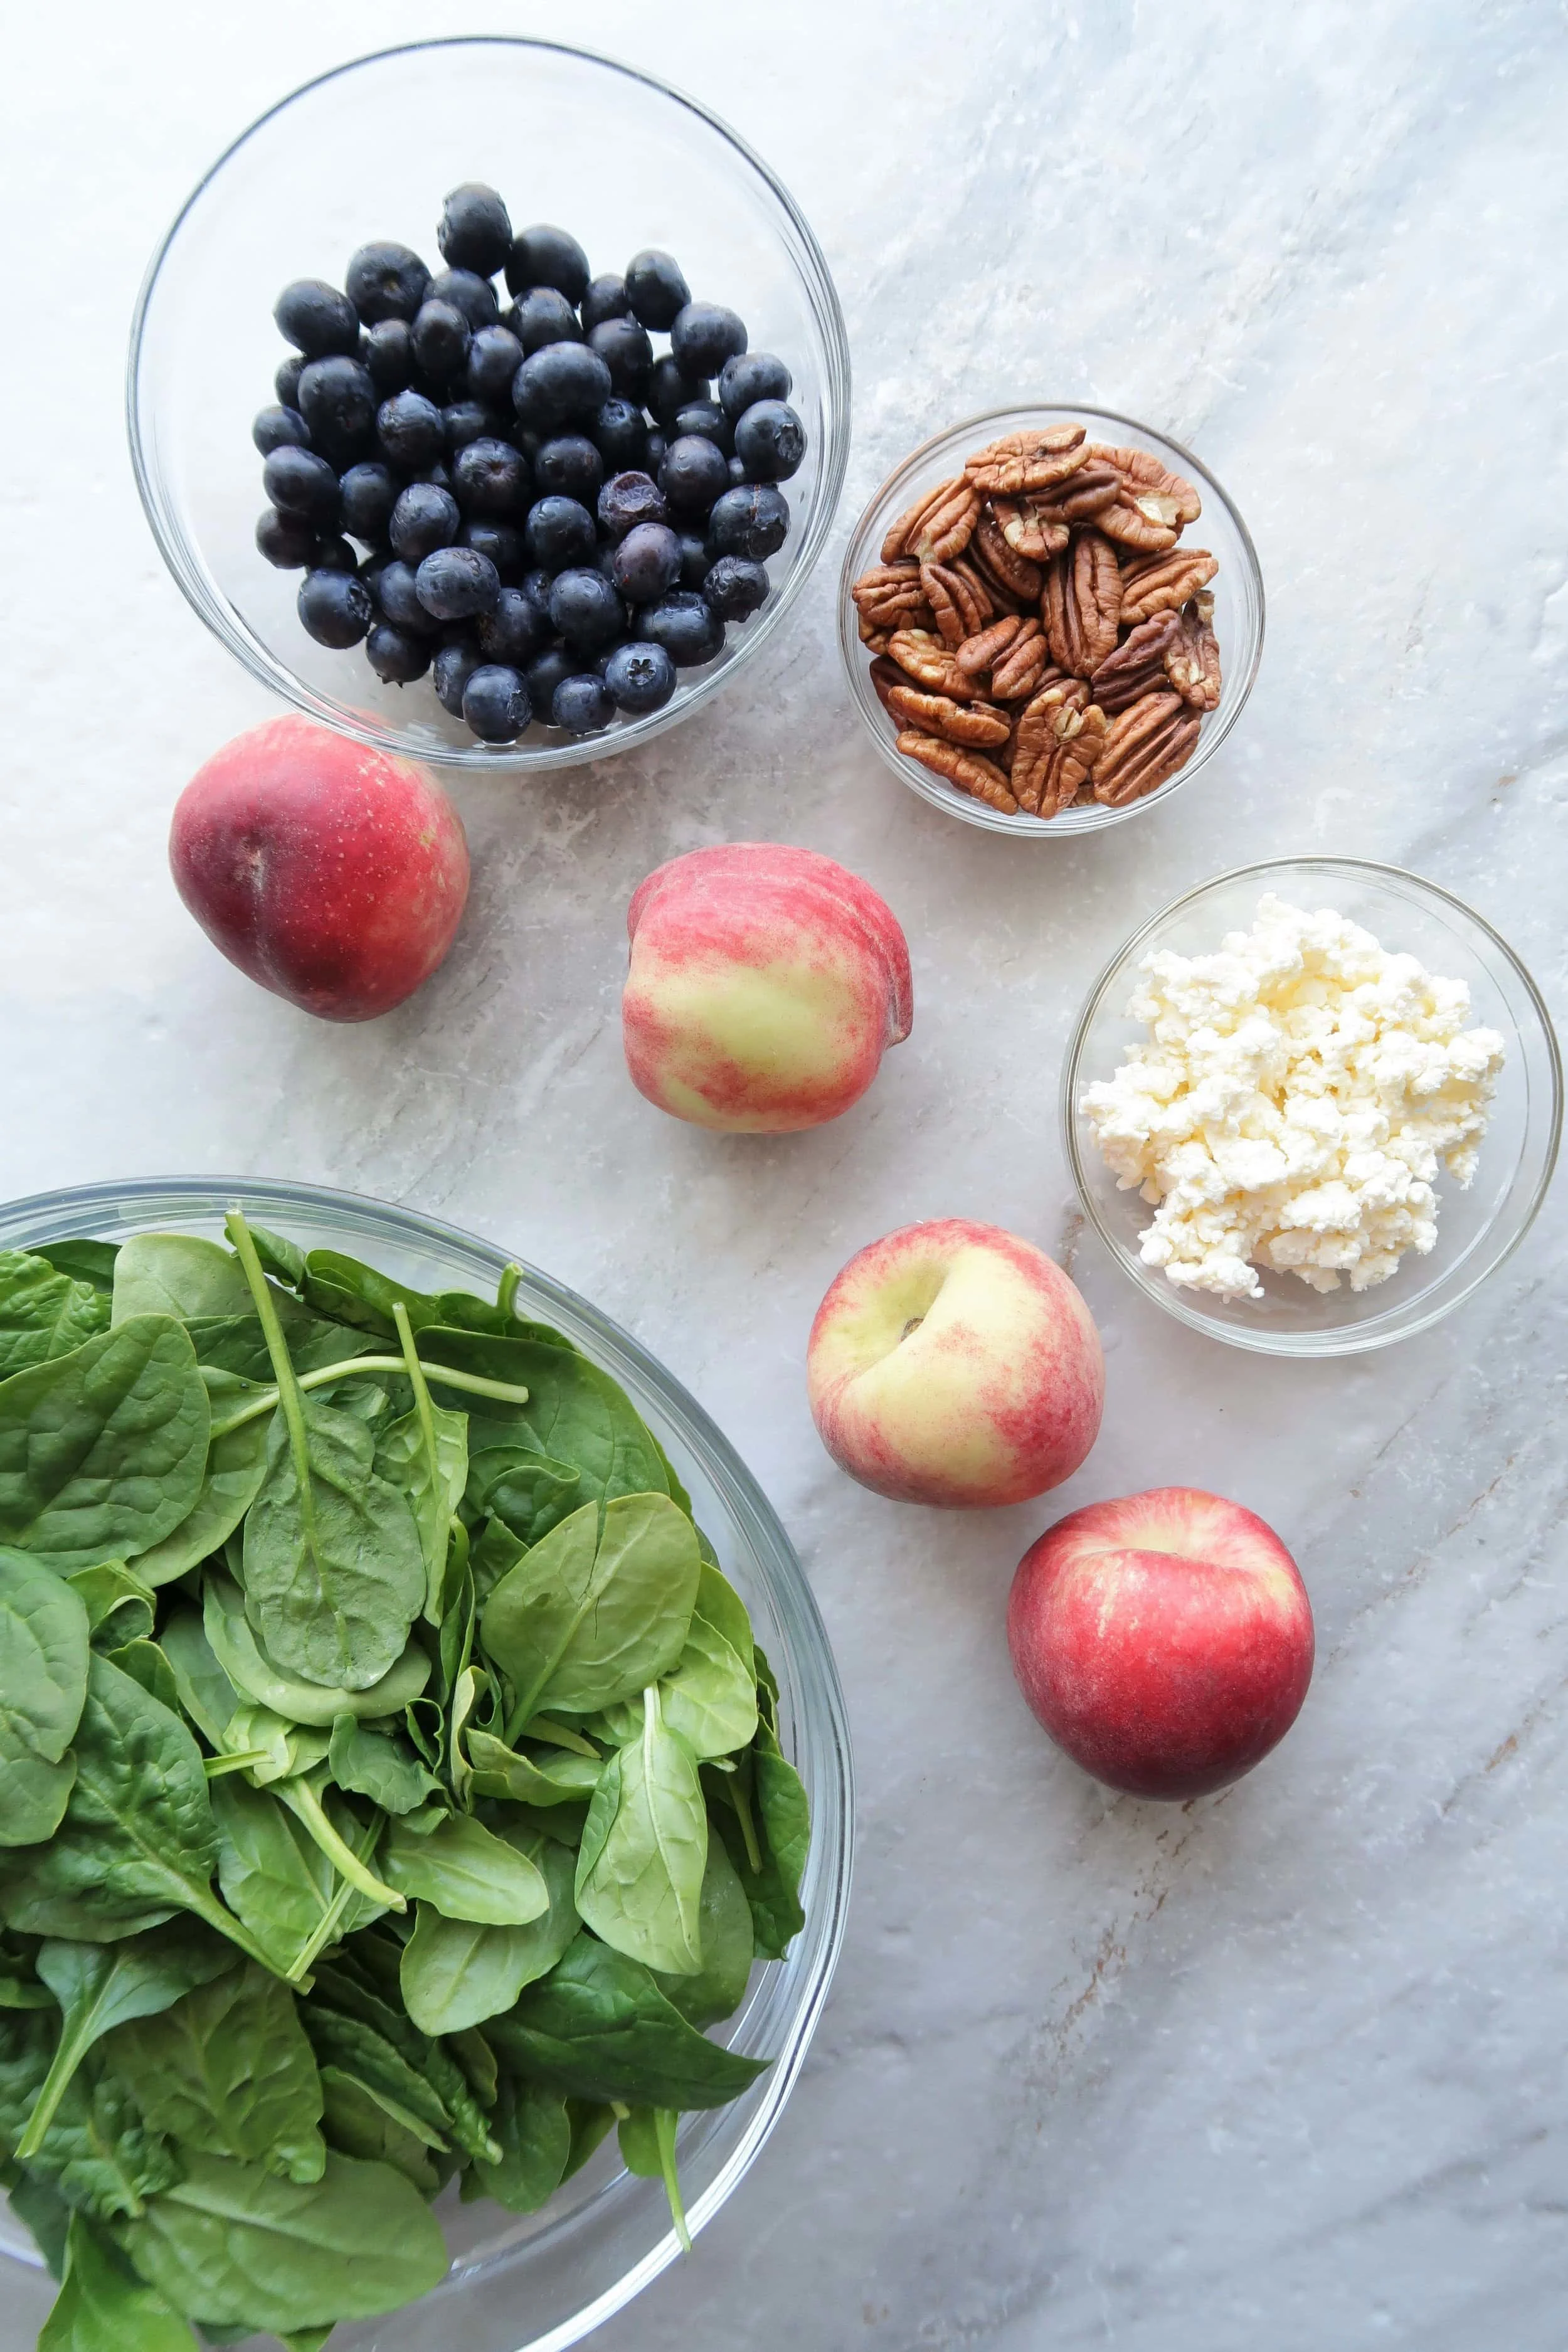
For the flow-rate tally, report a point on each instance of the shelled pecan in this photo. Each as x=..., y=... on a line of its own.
x=927, y=660
x=1138, y=664
x=937, y=527
x=1143, y=748
x=1163, y=583
x=1083, y=604
x=1018, y=669
x=958, y=597
x=973, y=723
x=1014, y=580
x=970, y=771
x=1059, y=738
x=890, y=596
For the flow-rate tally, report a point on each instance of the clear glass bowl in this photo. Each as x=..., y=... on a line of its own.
x=538, y=2282
x=368, y=152
x=1238, y=589
x=1477, y=1228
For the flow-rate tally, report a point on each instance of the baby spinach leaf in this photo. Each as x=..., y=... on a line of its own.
x=465, y=1871
x=349, y=2043
x=229, y=2070
x=85, y=1261
x=43, y=1685
x=278, y=1750
x=255, y=1672
x=179, y=1274
x=554, y=1777
x=280, y=1257
x=97, y=2153
x=379, y=1767
x=710, y=1696
x=599, y=2026
x=43, y=1313
x=357, y=2123
x=45, y=2213
x=235, y=2245
x=238, y=1344
x=719, y=1987
x=591, y=2121
x=343, y=1985
x=350, y=1292
x=120, y=1605
x=145, y=1664
x=535, y=2135
x=100, y=1985
x=590, y=1615
x=721, y=1605
x=493, y=1552
x=236, y=1464
x=770, y=1864
x=644, y=1849
x=273, y=1874
x=103, y=2306
x=103, y=1451
x=426, y=1457
x=528, y=1491
x=456, y=1973
x=648, y=2148
x=575, y=1414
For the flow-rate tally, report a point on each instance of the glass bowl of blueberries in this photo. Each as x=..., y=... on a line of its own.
x=473, y=452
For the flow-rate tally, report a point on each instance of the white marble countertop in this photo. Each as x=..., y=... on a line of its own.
x=1283, y=2067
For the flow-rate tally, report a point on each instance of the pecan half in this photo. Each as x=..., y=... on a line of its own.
x=958, y=598
x=1028, y=530
x=1138, y=665
x=970, y=771
x=1059, y=737
x=1161, y=583
x=927, y=660
x=890, y=594
x=1143, y=748
x=1192, y=660
x=1139, y=519
x=938, y=714
x=1030, y=460
x=1014, y=577
x=1144, y=474
x=975, y=658
x=885, y=676
x=1036, y=524
x=1019, y=670
x=1082, y=603
x=937, y=527
x=871, y=636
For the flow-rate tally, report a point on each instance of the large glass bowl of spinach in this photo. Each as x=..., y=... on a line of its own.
x=613, y=1464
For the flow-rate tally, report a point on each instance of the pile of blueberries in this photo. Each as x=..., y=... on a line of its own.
x=555, y=521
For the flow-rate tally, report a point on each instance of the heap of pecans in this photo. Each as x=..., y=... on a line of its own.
x=1038, y=633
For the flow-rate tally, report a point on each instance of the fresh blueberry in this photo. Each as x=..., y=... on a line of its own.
x=386, y=281
x=654, y=449
x=626, y=351
x=441, y=336
x=569, y=467
x=410, y=431
x=316, y=319
x=647, y=563
x=606, y=298
x=286, y=382
x=545, y=672
x=560, y=534
x=396, y=655
x=704, y=336
x=280, y=428
x=736, y=587
x=389, y=355
x=473, y=297
x=424, y=519
x=475, y=233
x=770, y=441
x=542, y=316
x=586, y=610
x=656, y=290
x=288, y=540
x=750, y=377
x=502, y=541
x=337, y=400
x=463, y=421
x=695, y=561
x=709, y=422
x=491, y=477
x=620, y=431
x=515, y=631
x=335, y=607
x=547, y=257
x=456, y=583
x=737, y=472
x=694, y=473
x=398, y=598
x=334, y=554
x=535, y=586
x=452, y=668
x=641, y=678
x=494, y=359
x=496, y=705
x=582, y=705
x=685, y=626
x=670, y=390
x=302, y=484
x=627, y=499
x=368, y=494
x=752, y=521
x=564, y=383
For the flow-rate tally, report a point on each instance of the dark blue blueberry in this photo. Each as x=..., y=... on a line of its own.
x=463, y=421
x=656, y=288
x=456, y=583
x=654, y=449
x=337, y=400
x=545, y=672
x=586, y=610
x=694, y=473
x=737, y=473
x=515, y=631
x=696, y=563
x=280, y=428
x=685, y=626
x=565, y=383
x=334, y=554
x=535, y=586
x=410, y=431
x=335, y=607
x=302, y=484
x=473, y=298
x=316, y=319
x=542, y=256
x=286, y=382
x=606, y=298
x=396, y=655
x=399, y=599
x=502, y=541
x=440, y=474
x=475, y=233
x=491, y=477
x=647, y=563
x=424, y=519
x=288, y=540
x=560, y=533
x=441, y=336
x=543, y=316
x=753, y=522
x=625, y=351
x=569, y=467
x=704, y=336
x=620, y=431
x=452, y=668
x=770, y=441
x=389, y=355
x=386, y=281
x=494, y=359
x=670, y=390
x=736, y=587
x=627, y=499
x=751, y=377
x=496, y=705
x=641, y=678
x=707, y=421
x=582, y=705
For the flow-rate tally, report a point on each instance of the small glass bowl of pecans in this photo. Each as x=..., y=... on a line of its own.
x=1049, y=617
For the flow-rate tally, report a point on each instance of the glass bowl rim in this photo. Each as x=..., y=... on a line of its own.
x=775, y=1558
x=238, y=638
x=1352, y=1338
x=961, y=805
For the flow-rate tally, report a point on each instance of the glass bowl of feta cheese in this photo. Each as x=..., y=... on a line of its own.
x=1311, y=1105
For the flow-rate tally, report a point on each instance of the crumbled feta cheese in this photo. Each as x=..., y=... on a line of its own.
x=1291, y=1106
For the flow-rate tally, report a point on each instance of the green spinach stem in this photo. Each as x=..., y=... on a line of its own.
x=288, y=1396
x=473, y=1382
x=664, y=2122
x=506, y=1296
x=306, y=1806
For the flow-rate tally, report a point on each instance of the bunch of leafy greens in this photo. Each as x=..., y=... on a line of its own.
x=390, y=1786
